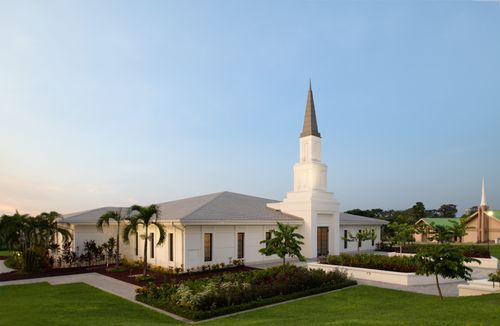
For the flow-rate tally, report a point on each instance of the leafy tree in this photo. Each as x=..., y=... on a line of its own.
x=118, y=217
x=145, y=216
x=444, y=260
x=418, y=211
x=471, y=210
x=284, y=241
x=33, y=236
x=447, y=210
x=440, y=233
x=459, y=229
x=401, y=234
x=9, y=229
x=360, y=236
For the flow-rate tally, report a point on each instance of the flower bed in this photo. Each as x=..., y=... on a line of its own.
x=386, y=263
x=209, y=297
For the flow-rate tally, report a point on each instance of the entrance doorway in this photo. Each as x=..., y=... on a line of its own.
x=322, y=241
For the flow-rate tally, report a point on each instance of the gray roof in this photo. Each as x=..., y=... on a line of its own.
x=349, y=219
x=310, y=123
x=219, y=208
x=90, y=216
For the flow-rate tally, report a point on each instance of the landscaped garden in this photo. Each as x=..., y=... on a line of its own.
x=80, y=304
x=208, y=297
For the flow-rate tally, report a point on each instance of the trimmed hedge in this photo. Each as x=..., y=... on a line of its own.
x=469, y=250
x=229, y=293
x=396, y=263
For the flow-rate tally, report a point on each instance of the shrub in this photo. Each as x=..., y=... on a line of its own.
x=395, y=263
x=494, y=277
x=144, y=278
x=118, y=269
x=202, y=298
x=469, y=250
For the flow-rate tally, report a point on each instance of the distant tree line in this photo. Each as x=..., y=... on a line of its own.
x=412, y=214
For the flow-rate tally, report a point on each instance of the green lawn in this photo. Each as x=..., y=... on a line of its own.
x=80, y=304
x=6, y=253
x=495, y=250
x=71, y=304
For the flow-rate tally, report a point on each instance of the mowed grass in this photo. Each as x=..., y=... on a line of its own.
x=365, y=305
x=71, y=304
x=81, y=304
x=495, y=250
x=6, y=253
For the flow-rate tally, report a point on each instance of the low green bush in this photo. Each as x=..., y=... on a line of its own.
x=118, y=269
x=230, y=292
x=396, y=263
x=469, y=250
x=145, y=278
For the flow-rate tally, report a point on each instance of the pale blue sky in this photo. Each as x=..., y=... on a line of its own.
x=122, y=102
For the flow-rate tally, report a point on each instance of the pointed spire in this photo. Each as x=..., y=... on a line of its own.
x=483, y=196
x=310, y=123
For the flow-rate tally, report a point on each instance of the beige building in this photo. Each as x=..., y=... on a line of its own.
x=482, y=226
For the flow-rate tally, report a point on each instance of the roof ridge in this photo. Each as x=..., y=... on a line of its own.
x=218, y=194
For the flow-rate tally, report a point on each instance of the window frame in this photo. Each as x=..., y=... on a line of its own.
x=240, y=248
x=208, y=257
x=152, y=240
x=171, y=247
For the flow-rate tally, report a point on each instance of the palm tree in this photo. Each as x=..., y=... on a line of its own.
x=284, y=241
x=51, y=229
x=144, y=216
x=114, y=215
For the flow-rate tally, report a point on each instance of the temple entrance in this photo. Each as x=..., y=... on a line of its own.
x=322, y=240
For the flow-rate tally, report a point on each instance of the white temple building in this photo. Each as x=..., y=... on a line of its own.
x=224, y=226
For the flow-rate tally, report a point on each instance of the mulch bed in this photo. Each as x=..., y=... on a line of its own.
x=13, y=276
x=126, y=276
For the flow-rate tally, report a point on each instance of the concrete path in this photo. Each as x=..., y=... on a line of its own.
x=3, y=268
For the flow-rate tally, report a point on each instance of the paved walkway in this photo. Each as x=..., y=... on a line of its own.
x=3, y=268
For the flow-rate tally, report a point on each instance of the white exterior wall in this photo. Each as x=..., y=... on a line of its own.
x=225, y=243
x=353, y=245
x=161, y=252
x=82, y=233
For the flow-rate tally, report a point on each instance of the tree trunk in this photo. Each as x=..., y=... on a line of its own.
x=146, y=252
x=284, y=262
x=400, y=248
x=118, y=246
x=439, y=288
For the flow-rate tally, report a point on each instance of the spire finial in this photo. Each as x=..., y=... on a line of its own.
x=483, y=196
x=310, y=124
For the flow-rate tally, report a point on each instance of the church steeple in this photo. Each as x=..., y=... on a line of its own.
x=310, y=124
x=483, y=196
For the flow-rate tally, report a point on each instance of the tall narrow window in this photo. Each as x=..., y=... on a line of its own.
x=171, y=246
x=345, y=239
x=152, y=238
x=241, y=245
x=268, y=237
x=373, y=239
x=137, y=244
x=208, y=246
